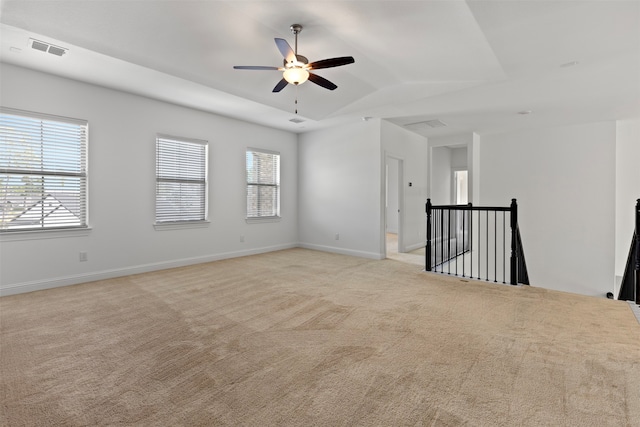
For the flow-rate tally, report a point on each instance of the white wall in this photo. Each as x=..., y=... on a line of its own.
x=393, y=169
x=441, y=179
x=458, y=144
x=340, y=190
x=564, y=180
x=459, y=158
x=122, y=240
x=627, y=189
x=474, y=167
x=413, y=150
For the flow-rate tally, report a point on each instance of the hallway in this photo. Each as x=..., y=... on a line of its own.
x=415, y=257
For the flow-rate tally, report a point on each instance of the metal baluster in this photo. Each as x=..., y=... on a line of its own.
x=471, y=242
x=637, y=266
x=427, y=249
x=463, y=245
x=504, y=248
x=495, y=247
x=441, y=240
x=457, y=242
x=487, y=242
x=514, y=251
x=448, y=241
x=479, y=241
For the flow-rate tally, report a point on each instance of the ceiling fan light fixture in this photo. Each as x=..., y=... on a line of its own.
x=296, y=75
x=296, y=67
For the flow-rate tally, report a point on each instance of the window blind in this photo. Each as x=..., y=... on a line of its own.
x=181, y=179
x=263, y=184
x=43, y=171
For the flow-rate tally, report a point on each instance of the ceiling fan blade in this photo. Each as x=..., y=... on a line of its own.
x=281, y=84
x=254, y=67
x=332, y=62
x=285, y=49
x=321, y=81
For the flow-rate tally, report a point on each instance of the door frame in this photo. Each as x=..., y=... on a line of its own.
x=400, y=189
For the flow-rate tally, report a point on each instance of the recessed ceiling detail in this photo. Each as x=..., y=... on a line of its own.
x=491, y=59
x=427, y=124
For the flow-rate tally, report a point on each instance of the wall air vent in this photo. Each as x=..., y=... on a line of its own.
x=296, y=120
x=47, y=47
x=427, y=124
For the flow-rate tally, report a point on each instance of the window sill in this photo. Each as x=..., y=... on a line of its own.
x=165, y=226
x=263, y=219
x=16, y=236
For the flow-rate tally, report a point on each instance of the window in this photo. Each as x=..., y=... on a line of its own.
x=43, y=171
x=181, y=180
x=263, y=184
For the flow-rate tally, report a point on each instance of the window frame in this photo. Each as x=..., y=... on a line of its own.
x=277, y=185
x=61, y=169
x=202, y=221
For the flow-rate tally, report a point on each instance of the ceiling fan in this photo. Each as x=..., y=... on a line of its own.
x=296, y=68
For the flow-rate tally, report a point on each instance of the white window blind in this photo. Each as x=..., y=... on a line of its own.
x=181, y=179
x=263, y=184
x=43, y=171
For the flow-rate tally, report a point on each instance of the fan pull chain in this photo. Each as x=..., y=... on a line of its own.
x=296, y=103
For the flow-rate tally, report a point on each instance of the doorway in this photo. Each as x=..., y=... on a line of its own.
x=393, y=205
x=460, y=187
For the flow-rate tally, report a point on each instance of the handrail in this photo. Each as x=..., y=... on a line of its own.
x=630, y=287
x=456, y=224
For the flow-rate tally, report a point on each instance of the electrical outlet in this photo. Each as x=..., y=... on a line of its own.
x=83, y=256
x=241, y=238
x=337, y=236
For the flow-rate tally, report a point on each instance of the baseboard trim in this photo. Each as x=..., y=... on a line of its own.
x=341, y=251
x=414, y=247
x=39, y=285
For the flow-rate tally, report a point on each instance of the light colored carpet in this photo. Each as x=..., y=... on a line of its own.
x=304, y=338
x=415, y=257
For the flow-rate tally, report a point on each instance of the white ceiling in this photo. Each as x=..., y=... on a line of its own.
x=471, y=64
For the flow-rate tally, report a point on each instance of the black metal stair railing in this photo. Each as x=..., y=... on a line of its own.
x=630, y=287
x=471, y=241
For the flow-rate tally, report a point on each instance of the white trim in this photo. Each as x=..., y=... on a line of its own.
x=180, y=225
x=38, y=285
x=415, y=246
x=17, y=236
x=181, y=139
x=386, y=155
x=43, y=116
x=263, y=219
x=158, y=225
x=262, y=150
x=342, y=251
x=257, y=219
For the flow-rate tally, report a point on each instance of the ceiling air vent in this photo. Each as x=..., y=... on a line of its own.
x=427, y=124
x=47, y=47
x=296, y=120
x=435, y=123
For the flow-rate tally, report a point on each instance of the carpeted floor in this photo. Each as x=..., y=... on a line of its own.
x=304, y=338
x=415, y=257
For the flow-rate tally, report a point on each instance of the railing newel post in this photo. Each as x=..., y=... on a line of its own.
x=443, y=227
x=427, y=251
x=514, y=249
x=637, y=263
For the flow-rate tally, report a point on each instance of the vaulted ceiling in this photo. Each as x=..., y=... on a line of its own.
x=472, y=65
